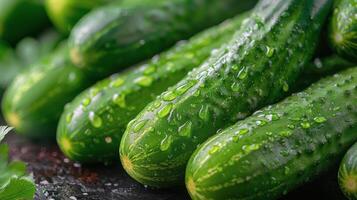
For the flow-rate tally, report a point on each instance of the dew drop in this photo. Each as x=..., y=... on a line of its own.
x=291, y=126
x=272, y=117
x=320, y=119
x=157, y=104
x=285, y=87
x=285, y=133
x=269, y=51
x=185, y=129
x=139, y=125
x=86, y=102
x=305, y=125
x=243, y=131
x=204, y=113
x=149, y=70
x=242, y=74
x=119, y=99
x=235, y=67
x=117, y=82
x=214, y=149
x=235, y=87
x=165, y=110
x=95, y=120
x=183, y=88
x=249, y=148
x=166, y=143
x=144, y=81
x=260, y=122
x=169, y=96
x=69, y=117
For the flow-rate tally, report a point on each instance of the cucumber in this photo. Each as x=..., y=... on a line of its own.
x=121, y=97
x=20, y=18
x=66, y=13
x=34, y=102
x=157, y=144
x=343, y=29
x=279, y=147
x=122, y=34
x=347, y=174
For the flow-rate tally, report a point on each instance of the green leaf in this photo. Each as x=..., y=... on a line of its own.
x=15, y=184
x=3, y=131
x=18, y=188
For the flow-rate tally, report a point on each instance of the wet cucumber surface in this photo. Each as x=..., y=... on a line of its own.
x=122, y=34
x=159, y=141
x=91, y=127
x=343, y=28
x=279, y=147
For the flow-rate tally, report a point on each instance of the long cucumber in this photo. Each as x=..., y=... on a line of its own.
x=122, y=34
x=118, y=99
x=279, y=147
x=254, y=69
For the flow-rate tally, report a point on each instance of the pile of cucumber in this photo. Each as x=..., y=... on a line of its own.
x=236, y=99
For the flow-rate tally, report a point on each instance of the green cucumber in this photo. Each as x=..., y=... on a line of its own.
x=66, y=13
x=347, y=174
x=122, y=34
x=34, y=101
x=279, y=147
x=121, y=97
x=20, y=18
x=343, y=29
x=254, y=69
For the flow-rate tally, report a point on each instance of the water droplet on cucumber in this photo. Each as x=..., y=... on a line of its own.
x=95, y=120
x=166, y=143
x=165, y=110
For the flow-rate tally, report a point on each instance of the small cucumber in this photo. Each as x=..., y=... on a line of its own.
x=121, y=97
x=34, y=101
x=279, y=147
x=125, y=33
x=254, y=69
x=347, y=174
x=343, y=29
x=66, y=13
x=21, y=18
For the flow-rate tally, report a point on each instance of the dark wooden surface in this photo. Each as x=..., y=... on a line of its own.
x=57, y=177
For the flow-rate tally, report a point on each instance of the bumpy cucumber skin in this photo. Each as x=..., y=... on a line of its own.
x=66, y=13
x=253, y=70
x=20, y=18
x=34, y=101
x=347, y=174
x=279, y=147
x=343, y=29
x=120, y=35
x=121, y=97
